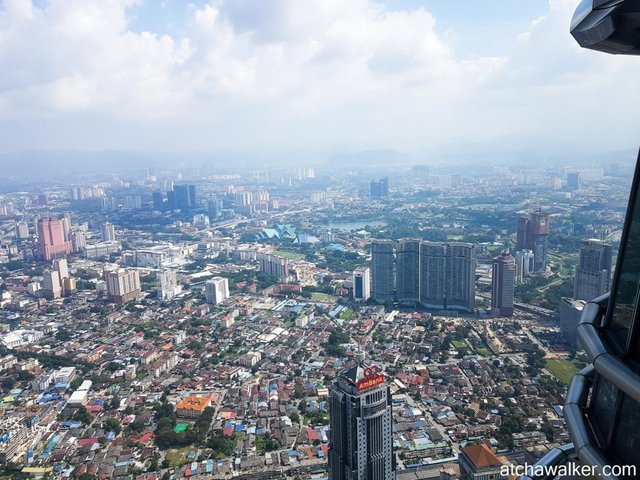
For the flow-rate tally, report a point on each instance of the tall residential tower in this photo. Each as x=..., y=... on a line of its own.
x=382, y=271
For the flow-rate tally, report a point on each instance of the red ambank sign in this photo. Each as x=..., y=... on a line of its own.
x=371, y=379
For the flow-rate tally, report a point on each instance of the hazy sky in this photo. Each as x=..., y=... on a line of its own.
x=252, y=75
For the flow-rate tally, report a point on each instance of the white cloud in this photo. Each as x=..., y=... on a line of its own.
x=255, y=73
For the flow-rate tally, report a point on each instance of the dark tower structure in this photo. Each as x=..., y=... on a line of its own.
x=361, y=446
x=503, y=280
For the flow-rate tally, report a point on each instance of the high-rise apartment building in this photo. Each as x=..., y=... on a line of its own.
x=433, y=266
x=380, y=188
x=167, y=284
x=22, y=230
x=51, y=242
x=503, y=280
x=214, y=207
x=123, y=285
x=361, y=284
x=533, y=233
x=593, y=273
x=408, y=270
x=60, y=265
x=382, y=271
x=274, y=266
x=216, y=290
x=132, y=202
x=435, y=275
x=361, y=446
x=460, y=278
x=52, y=288
x=108, y=232
x=573, y=181
x=78, y=240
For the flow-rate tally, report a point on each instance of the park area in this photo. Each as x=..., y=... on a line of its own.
x=293, y=256
x=563, y=370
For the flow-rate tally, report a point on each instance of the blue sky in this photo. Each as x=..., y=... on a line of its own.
x=424, y=77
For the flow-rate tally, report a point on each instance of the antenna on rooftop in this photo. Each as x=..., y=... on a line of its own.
x=360, y=356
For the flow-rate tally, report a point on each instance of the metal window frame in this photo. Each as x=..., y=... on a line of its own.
x=622, y=252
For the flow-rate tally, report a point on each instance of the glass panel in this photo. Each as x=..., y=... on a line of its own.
x=626, y=443
x=603, y=409
x=581, y=12
x=628, y=279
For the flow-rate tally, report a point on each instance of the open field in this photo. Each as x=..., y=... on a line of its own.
x=484, y=351
x=460, y=345
x=563, y=370
x=323, y=297
x=177, y=456
x=346, y=314
x=293, y=256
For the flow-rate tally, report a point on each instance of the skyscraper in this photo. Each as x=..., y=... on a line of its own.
x=524, y=264
x=66, y=225
x=503, y=278
x=361, y=446
x=214, y=207
x=361, y=284
x=569, y=315
x=593, y=274
x=408, y=270
x=183, y=197
x=108, y=232
x=51, y=242
x=573, y=181
x=460, y=285
x=158, y=201
x=380, y=188
x=382, y=271
x=433, y=266
x=533, y=233
x=216, y=290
